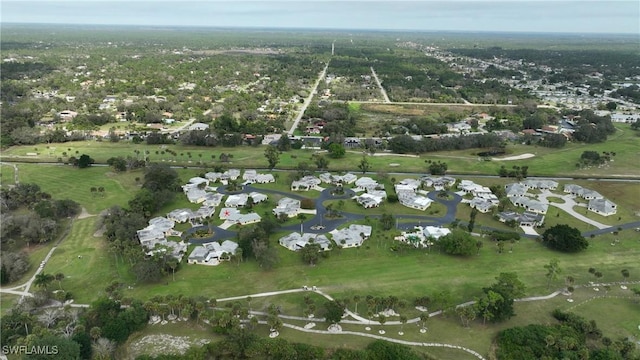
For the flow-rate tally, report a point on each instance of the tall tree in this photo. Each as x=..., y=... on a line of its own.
x=364, y=164
x=553, y=269
x=273, y=156
x=564, y=238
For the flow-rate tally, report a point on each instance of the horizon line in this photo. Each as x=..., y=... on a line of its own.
x=337, y=29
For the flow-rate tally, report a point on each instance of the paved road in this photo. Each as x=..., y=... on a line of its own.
x=382, y=90
x=568, y=206
x=307, y=101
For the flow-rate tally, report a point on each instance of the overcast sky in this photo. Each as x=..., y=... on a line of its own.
x=569, y=16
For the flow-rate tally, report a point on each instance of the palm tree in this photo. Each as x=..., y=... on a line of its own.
x=103, y=349
x=173, y=264
x=59, y=277
x=356, y=300
x=424, y=317
x=95, y=333
x=43, y=280
x=249, y=302
x=403, y=320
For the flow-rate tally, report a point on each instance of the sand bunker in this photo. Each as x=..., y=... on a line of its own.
x=518, y=157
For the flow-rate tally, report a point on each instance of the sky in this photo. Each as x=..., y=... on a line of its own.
x=537, y=16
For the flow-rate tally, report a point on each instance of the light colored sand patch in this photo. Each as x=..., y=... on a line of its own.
x=100, y=231
x=163, y=344
x=84, y=214
x=517, y=157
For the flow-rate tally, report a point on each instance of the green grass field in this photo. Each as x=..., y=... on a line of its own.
x=7, y=176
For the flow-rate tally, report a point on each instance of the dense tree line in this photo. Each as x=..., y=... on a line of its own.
x=31, y=215
x=121, y=224
x=576, y=63
x=243, y=344
x=591, y=128
x=405, y=144
x=573, y=338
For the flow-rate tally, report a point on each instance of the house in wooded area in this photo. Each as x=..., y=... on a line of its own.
x=162, y=223
x=306, y=183
x=603, y=207
x=173, y=248
x=353, y=236
x=524, y=219
x=180, y=215
x=150, y=235
x=287, y=206
x=295, y=241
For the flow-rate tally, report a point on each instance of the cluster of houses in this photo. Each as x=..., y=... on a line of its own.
x=373, y=194
x=154, y=237
x=370, y=194
x=352, y=236
x=483, y=199
x=597, y=203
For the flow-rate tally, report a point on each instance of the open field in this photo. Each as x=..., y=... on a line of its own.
x=66, y=182
x=546, y=162
x=7, y=175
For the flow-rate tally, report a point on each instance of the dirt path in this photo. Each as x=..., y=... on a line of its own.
x=84, y=214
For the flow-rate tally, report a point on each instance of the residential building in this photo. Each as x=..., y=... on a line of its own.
x=524, y=219
x=287, y=206
x=306, y=183
x=353, y=236
x=529, y=204
x=602, y=206
x=296, y=241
